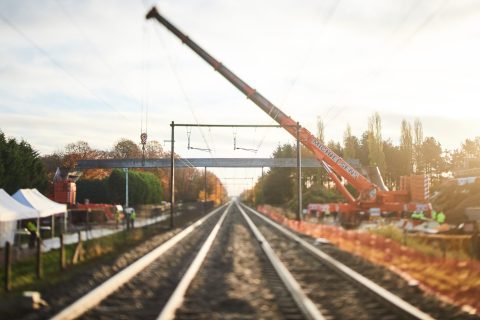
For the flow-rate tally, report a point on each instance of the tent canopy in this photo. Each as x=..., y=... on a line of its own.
x=34, y=199
x=11, y=209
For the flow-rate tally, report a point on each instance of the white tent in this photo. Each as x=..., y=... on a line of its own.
x=10, y=212
x=45, y=207
x=34, y=199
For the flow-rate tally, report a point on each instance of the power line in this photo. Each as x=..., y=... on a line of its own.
x=326, y=21
x=403, y=44
x=182, y=88
x=58, y=65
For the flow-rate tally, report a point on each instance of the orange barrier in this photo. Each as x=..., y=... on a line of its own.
x=455, y=281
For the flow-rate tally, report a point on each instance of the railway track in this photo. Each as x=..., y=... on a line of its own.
x=225, y=267
x=338, y=291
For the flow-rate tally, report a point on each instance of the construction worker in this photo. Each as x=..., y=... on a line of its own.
x=128, y=214
x=421, y=215
x=117, y=218
x=32, y=228
x=440, y=217
x=133, y=216
x=418, y=215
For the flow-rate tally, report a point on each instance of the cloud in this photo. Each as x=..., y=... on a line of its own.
x=364, y=57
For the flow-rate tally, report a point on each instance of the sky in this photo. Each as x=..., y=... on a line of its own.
x=98, y=71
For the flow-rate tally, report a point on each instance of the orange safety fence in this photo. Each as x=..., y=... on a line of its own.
x=453, y=280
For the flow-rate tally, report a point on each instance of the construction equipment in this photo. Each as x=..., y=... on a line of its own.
x=64, y=190
x=372, y=197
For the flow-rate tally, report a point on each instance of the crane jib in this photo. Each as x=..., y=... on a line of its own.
x=337, y=159
x=338, y=165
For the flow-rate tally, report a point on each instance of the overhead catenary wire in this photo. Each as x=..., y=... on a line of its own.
x=189, y=147
x=59, y=65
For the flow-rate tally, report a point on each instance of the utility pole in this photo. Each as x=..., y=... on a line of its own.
x=172, y=176
x=299, y=175
x=263, y=189
x=205, y=193
x=126, y=187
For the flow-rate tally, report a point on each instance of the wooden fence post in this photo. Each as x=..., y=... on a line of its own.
x=78, y=254
x=39, y=264
x=8, y=266
x=62, y=252
x=475, y=248
x=443, y=243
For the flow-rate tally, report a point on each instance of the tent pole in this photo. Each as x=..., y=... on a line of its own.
x=52, y=234
x=65, y=217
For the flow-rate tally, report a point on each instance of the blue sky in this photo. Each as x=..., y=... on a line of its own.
x=88, y=70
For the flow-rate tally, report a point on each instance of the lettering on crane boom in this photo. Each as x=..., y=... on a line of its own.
x=342, y=163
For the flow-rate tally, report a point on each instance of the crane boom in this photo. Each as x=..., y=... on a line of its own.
x=329, y=159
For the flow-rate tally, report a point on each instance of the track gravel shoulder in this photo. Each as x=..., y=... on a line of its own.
x=394, y=283
x=88, y=276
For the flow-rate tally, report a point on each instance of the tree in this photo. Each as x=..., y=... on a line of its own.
x=153, y=150
x=432, y=157
x=320, y=130
x=95, y=190
x=418, y=161
x=188, y=183
x=376, y=155
x=363, y=154
x=393, y=161
x=20, y=166
x=144, y=187
x=468, y=156
x=406, y=148
x=471, y=148
x=279, y=182
x=335, y=147
x=80, y=150
x=350, y=143
x=74, y=152
x=278, y=186
x=51, y=163
x=126, y=149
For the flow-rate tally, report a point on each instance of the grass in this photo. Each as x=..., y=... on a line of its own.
x=435, y=248
x=23, y=272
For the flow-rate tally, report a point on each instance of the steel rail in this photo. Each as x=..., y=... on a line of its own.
x=306, y=305
x=94, y=297
x=395, y=301
x=178, y=296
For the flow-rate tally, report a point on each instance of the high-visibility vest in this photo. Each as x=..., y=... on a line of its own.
x=440, y=217
x=31, y=227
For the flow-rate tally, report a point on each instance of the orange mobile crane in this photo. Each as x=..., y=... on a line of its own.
x=371, y=197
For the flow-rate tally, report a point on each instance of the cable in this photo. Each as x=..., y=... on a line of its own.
x=95, y=50
x=326, y=21
x=147, y=76
x=401, y=47
x=211, y=139
x=182, y=88
x=58, y=65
